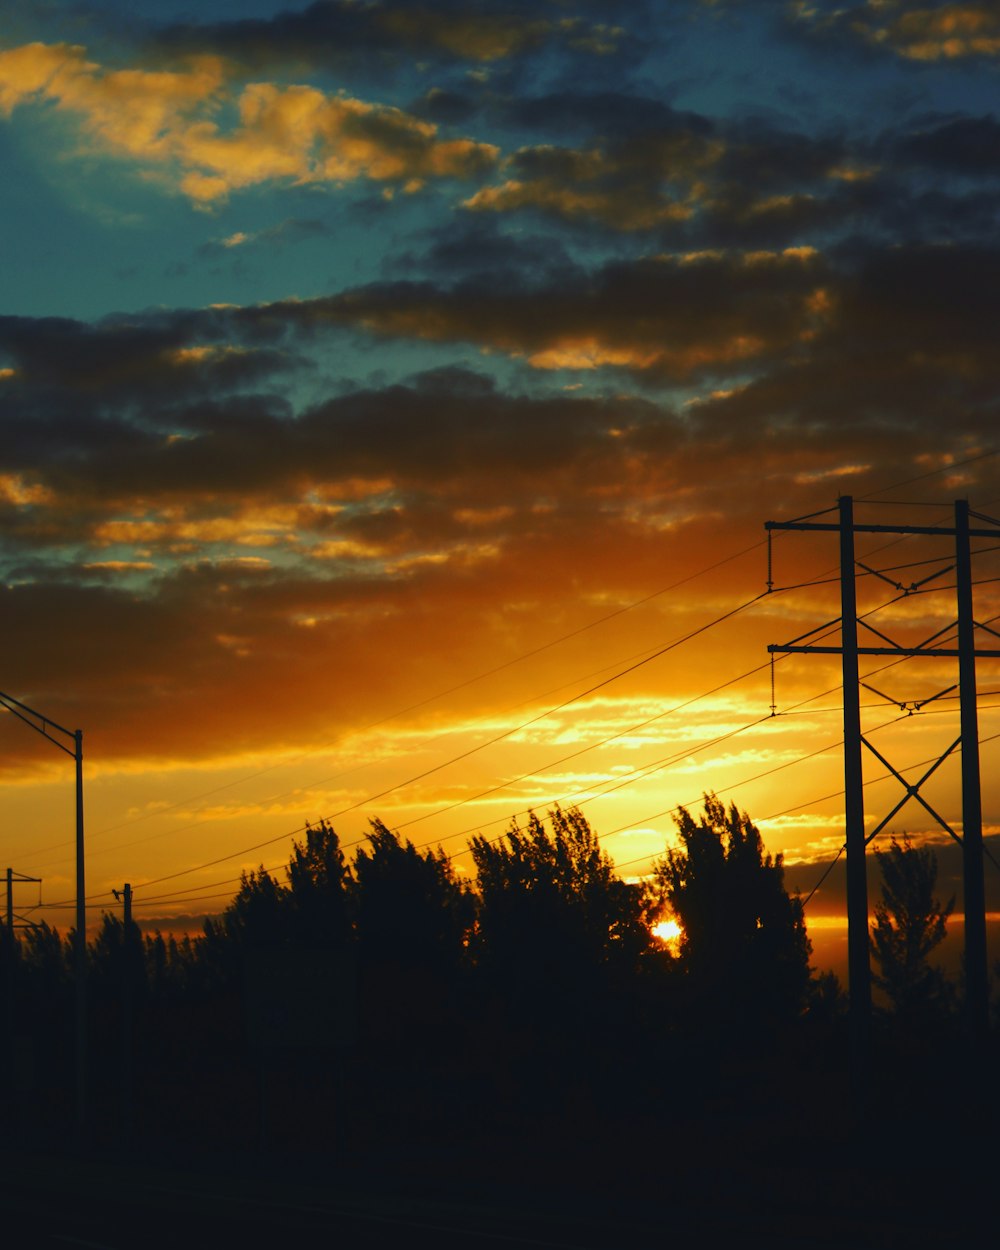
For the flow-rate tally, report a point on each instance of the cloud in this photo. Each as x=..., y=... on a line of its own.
x=639, y=187
x=919, y=33
x=161, y=354
x=692, y=181
x=167, y=436
x=168, y=123
x=672, y=317
x=908, y=350
x=955, y=145
x=293, y=230
x=369, y=37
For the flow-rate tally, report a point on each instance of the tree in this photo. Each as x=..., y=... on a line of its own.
x=910, y=923
x=257, y=914
x=410, y=908
x=413, y=915
x=117, y=958
x=559, y=941
x=552, y=905
x=319, y=883
x=744, y=947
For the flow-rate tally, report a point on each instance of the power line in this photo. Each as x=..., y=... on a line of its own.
x=193, y=893
x=481, y=746
x=462, y=685
x=647, y=770
x=947, y=468
x=546, y=646
x=643, y=656
x=593, y=746
x=508, y=733
x=92, y=906
x=658, y=652
x=516, y=729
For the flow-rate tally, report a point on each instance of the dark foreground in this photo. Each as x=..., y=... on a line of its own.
x=726, y=1179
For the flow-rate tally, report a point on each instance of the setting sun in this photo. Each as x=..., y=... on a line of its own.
x=668, y=931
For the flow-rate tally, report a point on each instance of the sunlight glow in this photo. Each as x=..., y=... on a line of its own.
x=669, y=932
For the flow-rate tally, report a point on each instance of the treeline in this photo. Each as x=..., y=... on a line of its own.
x=436, y=1004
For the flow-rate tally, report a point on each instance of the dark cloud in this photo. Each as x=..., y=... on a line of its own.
x=695, y=182
x=448, y=430
x=477, y=246
x=159, y=358
x=760, y=156
x=940, y=215
x=666, y=317
x=961, y=145
x=445, y=107
x=906, y=358
x=347, y=37
x=168, y=405
x=613, y=114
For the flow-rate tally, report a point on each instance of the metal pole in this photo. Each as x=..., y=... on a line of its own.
x=81, y=950
x=859, y=967
x=9, y=975
x=976, y=975
x=127, y=1111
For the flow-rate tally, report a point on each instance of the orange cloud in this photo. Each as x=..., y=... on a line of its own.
x=948, y=32
x=953, y=32
x=16, y=490
x=174, y=528
x=168, y=123
x=611, y=208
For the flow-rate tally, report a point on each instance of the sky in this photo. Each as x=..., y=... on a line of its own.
x=394, y=394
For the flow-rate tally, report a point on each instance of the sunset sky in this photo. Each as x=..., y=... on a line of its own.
x=389, y=389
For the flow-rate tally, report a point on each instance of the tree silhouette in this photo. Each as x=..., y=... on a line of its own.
x=910, y=923
x=117, y=958
x=411, y=908
x=552, y=905
x=319, y=885
x=744, y=948
x=258, y=916
x=558, y=941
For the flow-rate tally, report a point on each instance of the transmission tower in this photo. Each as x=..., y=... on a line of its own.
x=966, y=652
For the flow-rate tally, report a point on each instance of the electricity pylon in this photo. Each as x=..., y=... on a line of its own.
x=856, y=839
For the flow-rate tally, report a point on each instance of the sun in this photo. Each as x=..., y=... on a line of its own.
x=668, y=931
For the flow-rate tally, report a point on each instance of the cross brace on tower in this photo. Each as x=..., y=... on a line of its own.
x=856, y=840
x=14, y=921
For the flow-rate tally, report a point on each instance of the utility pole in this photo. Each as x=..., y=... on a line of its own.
x=856, y=839
x=48, y=729
x=125, y=898
x=858, y=961
x=80, y=949
x=976, y=974
x=15, y=878
x=12, y=922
